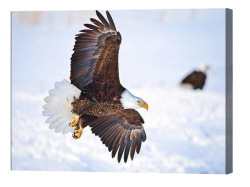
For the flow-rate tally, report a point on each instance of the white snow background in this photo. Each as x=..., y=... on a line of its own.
x=185, y=129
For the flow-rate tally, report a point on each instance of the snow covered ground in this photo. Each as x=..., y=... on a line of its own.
x=185, y=129
x=185, y=134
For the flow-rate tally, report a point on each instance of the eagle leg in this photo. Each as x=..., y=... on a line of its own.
x=74, y=122
x=77, y=133
x=78, y=130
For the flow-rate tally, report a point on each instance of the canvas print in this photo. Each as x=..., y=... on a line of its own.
x=120, y=91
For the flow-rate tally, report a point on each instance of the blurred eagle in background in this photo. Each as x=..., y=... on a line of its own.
x=95, y=96
x=196, y=79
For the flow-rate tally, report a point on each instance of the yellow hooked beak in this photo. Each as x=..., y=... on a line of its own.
x=143, y=105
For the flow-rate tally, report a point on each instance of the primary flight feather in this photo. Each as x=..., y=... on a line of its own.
x=95, y=96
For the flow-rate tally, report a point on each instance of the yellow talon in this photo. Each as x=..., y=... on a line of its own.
x=77, y=133
x=74, y=121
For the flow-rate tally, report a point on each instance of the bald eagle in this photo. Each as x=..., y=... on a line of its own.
x=95, y=96
x=196, y=79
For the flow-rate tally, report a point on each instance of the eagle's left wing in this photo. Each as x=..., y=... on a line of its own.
x=123, y=131
x=94, y=62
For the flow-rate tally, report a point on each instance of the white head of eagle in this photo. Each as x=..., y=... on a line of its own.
x=129, y=101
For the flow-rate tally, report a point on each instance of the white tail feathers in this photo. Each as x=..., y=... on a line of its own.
x=59, y=107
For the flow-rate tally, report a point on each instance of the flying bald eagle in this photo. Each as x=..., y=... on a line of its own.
x=196, y=79
x=95, y=96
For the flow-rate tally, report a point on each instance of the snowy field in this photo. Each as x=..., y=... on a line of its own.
x=185, y=129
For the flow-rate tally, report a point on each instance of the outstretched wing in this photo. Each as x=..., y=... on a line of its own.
x=94, y=62
x=123, y=131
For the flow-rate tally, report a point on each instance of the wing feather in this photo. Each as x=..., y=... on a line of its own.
x=99, y=24
x=111, y=22
x=122, y=145
x=116, y=143
x=138, y=145
x=122, y=132
x=128, y=144
x=95, y=28
x=133, y=146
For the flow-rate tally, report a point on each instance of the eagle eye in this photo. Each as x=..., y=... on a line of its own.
x=138, y=101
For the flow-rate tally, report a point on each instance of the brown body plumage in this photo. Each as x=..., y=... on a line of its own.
x=197, y=79
x=101, y=107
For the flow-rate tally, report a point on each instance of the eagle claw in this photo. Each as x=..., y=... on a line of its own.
x=77, y=134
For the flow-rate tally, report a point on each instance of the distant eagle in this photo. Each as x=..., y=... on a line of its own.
x=95, y=96
x=196, y=79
